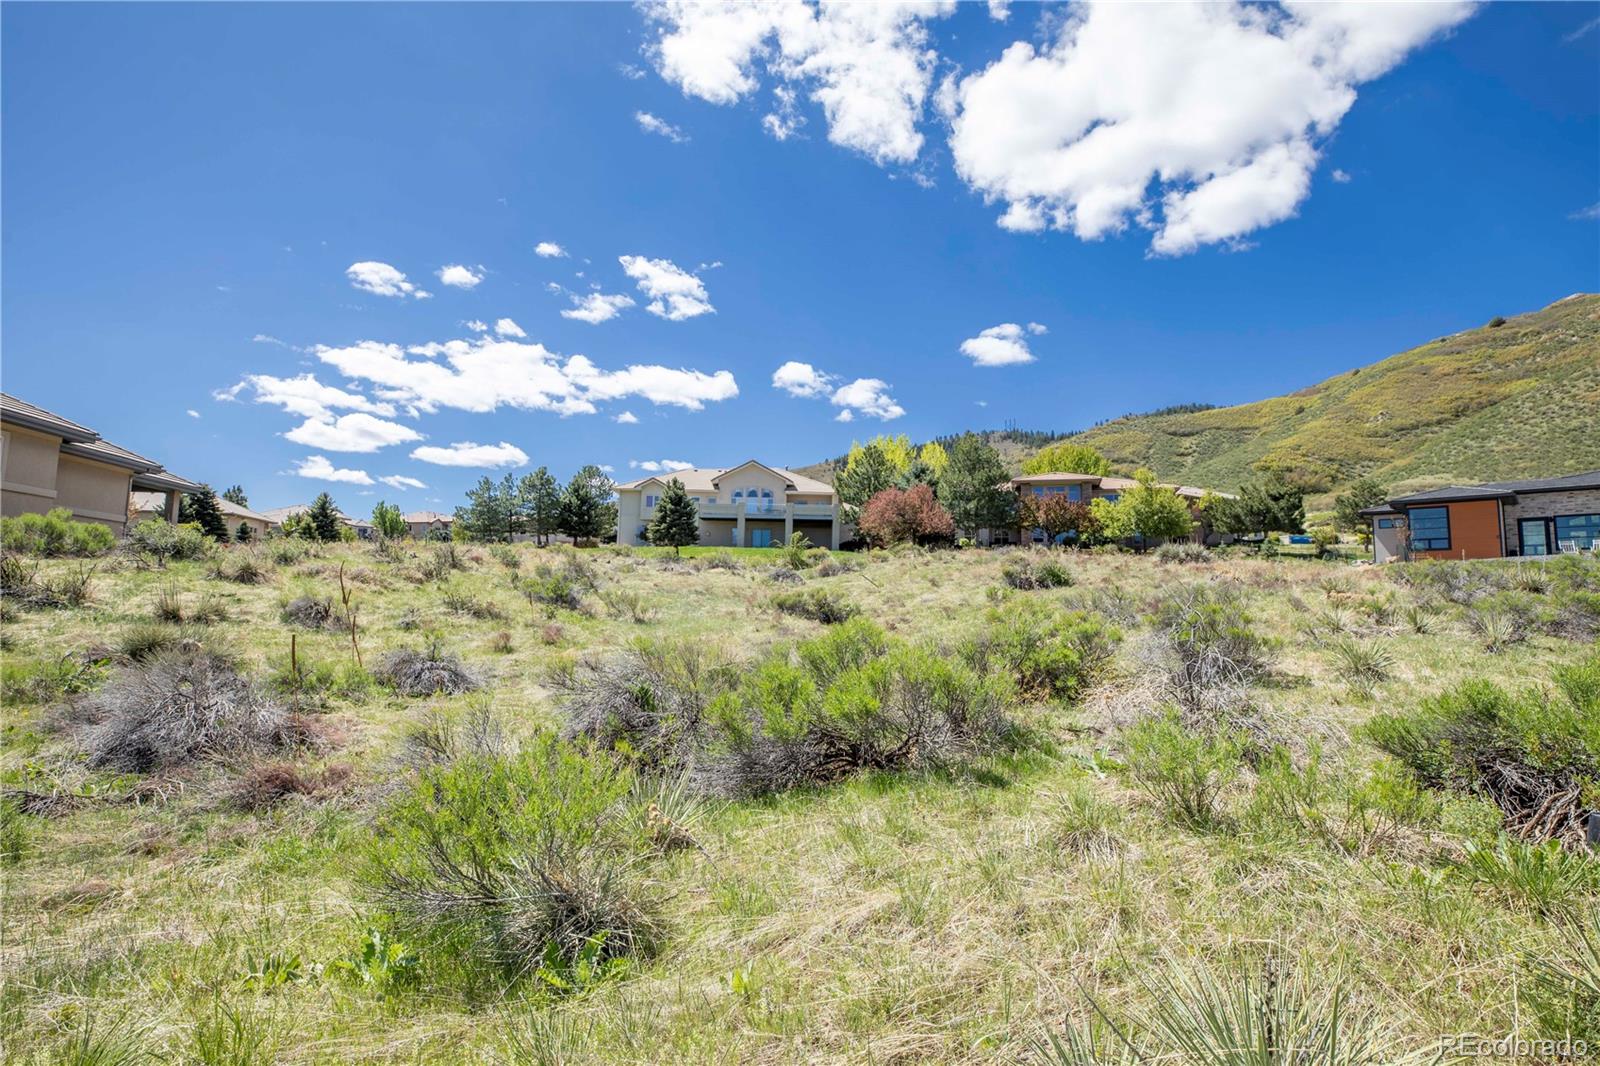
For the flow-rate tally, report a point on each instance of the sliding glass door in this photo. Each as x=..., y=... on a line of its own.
x=1534, y=535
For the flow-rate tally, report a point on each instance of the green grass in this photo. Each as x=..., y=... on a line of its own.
x=958, y=914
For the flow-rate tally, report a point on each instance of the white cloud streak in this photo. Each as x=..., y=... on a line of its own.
x=401, y=481
x=470, y=454
x=597, y=307
x=319, y=468
x=381, y=279
x=660, y=127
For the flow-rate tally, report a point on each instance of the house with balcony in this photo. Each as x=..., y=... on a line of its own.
x=423, y=525
x=1533, y=517
x=751, y=505
x=1081, y=488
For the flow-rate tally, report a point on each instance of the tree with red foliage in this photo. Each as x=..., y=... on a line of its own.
x=896, y=515
x=1057, y=515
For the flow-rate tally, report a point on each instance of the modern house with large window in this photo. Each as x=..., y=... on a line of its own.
x=1083, y=488
x=1540, y=516
x=751, y=505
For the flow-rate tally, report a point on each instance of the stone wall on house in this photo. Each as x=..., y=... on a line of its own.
x=1546, y=505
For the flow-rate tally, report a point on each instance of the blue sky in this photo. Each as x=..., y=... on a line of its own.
x=203, y=205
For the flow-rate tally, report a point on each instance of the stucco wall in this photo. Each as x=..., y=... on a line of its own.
x=1546, y=505
x=94, y=491
x=628, y=521
x=29, y=474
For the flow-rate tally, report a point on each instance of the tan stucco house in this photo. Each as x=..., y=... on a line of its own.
x=147, y=505
x=47, y=461
x=423, y=524
x=750, y=505
x=275, y=517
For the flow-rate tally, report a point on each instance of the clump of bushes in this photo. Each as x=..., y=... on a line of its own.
x=1035, y=571
x=1182, y=551
x=184, y=704
x=169, y=607
x=463, y=602
x=425, y=672
x=20, y=583
x=1183, y=769
x=54, y=534
x=286, y=551
x=245, y=568
x=1208, y=651
x=1534, y=754
x=159, y=541
x=1049, y=653
x=819, y=605
x=44, y=680
x=528, y=860
x=308, y=612
x=846, y=701
x=554, y=589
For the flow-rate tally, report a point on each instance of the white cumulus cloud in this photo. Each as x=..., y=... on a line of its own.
x=507, y=328
x=304, y=395
x=866, y=396
x=802, y=379
x=868, y=65
x=660, y=466
x=319, y=468
x=675, y=294
x=1199, y=122
x=467, y=453
x=476, y=325
x=549, y=250
x=401, y=481
x=1002, y=345
x=381, y=279
x=351, y=433
x=460, y=277
x=627, y=418
x=660, y=126
x=597, y=307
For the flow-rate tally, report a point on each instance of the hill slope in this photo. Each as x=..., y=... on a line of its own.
x=1518, y=400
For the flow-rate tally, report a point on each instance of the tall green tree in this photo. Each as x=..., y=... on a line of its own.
x=201, y=508
x=972, y=487
x=587, y=512
x=388, y=521
x=539, y=499
x=1067, y=458
x=235, y=494
x=868, y=472
x=1348, y=505
x=1274, y=504
x=491, y=510
x=676, y=521
x=243, y=534
x=1146, y=511
x=321, y=522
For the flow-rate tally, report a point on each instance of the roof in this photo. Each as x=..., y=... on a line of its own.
x=1108, y=481
x=23, y=413
x=233, y=510
x=428, y=516
x=153, y=501
x=704, y=479
x=1500, y=490
x=1377, y=512
x=106, y=452
x=276, y=515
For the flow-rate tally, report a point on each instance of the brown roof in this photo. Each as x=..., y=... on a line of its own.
x=704, y=479
x=1106, y=481
x=84, y=442
x=24, y=413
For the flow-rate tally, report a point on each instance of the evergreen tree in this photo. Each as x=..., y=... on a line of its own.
x=868, y=472
x=972, y=486
x=388, y=521
x=539, y=499
x=1272, y=505
x=235, y=494
x=676, y=521
x=491, y=510
x=243, y=533
x=586, y=511
x=202, y=509
x=1065, y=458
x=1348, y=505
x=321, y=522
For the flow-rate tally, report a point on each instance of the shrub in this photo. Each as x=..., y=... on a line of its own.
x=441, y=563
x=1361, y=664
x=162, y=541
x=1049, y=653
x=1497, y=626
x=555, y=589
x=1183, y=770
x=1535, y=755
x=425, y=672
x=20, y=583
x=1544, y=876
x=246, y=568
x=718, y=560
x=463, y=602
x=782, y=575
x=286, y=551
x=182, y=705
x=1209, y=651
x=146, y=640
x=630, y=604
x=308, y=612
x=1182, y=551
x=819, y=605
x=1035, y=571
x=896, y=516
x=55, y=534
x=501, y=643
x=517, y=860
x=44, y=680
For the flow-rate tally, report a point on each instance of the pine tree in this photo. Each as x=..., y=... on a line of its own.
x=677, y=521
x=322, y=519
x=490, y=512
x=202, y=509
x=243, y=533
x=587, y=512
x=540, y=503
x=971, y=487
x=235, y=494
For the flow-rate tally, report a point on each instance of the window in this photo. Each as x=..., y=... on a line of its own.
x=1111, y=497
x=1075, y=493
x=651, y=501
x=1038, y=490
x=1386, y=523
x=1430, y=529
x=1580, y=531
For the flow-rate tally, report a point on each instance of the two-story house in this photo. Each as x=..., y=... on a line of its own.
x=750, y=505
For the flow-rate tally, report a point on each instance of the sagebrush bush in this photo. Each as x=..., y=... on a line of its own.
x=556, y=589
x=846, y=701
x=1534, y=754
x=161, y=541
x=426, y=671
x=20, y=583
x=819, y=605
x=461, y=601
x=503, y=859
x=182, y=705
x=1049, y=652
x=1209, y=650
x=1182, y=551
x=1035, y=570
x=55, y=534
x=44, y=680
x=1184, y=770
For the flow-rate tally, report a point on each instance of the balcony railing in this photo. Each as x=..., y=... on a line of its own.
x=762, y=509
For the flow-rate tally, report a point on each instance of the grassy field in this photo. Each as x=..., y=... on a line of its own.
x=958, y=909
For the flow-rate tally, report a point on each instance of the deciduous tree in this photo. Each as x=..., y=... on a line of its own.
x=388, y=521
x=1055, y=515
x=1067, y=458
x=895, y=516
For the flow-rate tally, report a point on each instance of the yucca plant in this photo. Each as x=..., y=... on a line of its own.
x=1362, y=664
x=1254, y=1017
x=1565, y=991
x=1545, y=877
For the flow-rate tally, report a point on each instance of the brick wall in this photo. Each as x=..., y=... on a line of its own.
x=1547, y=505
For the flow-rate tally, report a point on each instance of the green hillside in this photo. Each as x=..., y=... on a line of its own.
x=1520, y=399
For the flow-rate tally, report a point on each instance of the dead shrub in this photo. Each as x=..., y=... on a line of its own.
x=265, y=785
x=309, y=613
x=426, y=672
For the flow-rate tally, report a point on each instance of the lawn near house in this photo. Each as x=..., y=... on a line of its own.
x=951, y=909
